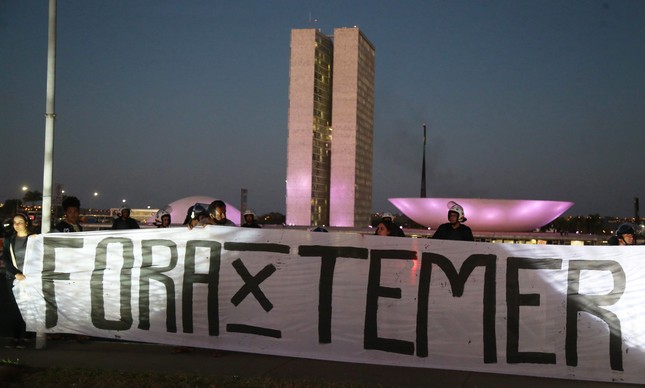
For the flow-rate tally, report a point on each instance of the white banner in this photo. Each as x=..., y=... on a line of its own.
x=543, y=310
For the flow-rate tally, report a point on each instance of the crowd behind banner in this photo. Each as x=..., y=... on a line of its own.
x=553, y=311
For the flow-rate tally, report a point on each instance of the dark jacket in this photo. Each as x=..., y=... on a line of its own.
x=19, y=251
x=66, y=227
x=128, y=223
x=447, y=232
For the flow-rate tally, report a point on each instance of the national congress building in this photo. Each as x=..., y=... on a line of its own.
x=331, y=121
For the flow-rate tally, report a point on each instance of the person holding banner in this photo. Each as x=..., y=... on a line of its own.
x=454, y=229
x=72, y=209
x=13, y=255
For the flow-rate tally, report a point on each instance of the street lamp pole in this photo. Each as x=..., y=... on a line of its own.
x=50, y=115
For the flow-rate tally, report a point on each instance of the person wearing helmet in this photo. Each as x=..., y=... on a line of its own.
x=387, y=222
x=624, y=235
x=124, y=221
x=454, y=229
x=197, y=215
x=387, y=217
x=162, y=219
x=249, y=220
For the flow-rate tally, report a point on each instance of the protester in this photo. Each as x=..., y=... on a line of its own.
x=217, y=212
x=124, y=221
x=162, y=219
x=454, y=229
x=387, y=217
x=70, y=223
x=249, y=220
x=624, y=235
x=388, y=228
x=72, y=209
x=197, y=215
x=13, y=254
x=189, y=216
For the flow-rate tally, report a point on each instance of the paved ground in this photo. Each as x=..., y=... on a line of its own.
x=145, y=357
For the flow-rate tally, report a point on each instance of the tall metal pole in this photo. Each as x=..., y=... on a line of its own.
x=423, y=165
x=50, y=115
x=637, y=218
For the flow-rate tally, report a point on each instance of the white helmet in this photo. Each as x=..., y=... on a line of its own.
x=122, y=208
x=160, y=214
x=455, y=207
x=249, y=212
x=387, y=215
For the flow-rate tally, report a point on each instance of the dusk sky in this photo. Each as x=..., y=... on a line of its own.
x=159, y=100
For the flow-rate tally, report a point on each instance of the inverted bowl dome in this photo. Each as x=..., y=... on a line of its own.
x=484, y=215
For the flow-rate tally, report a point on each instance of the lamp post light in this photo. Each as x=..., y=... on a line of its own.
x=94, y=196
x=24, y=189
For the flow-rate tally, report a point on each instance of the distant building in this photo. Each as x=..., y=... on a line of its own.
x=141, y=215
x=331, y=90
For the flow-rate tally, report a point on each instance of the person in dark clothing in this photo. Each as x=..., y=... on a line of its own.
x=13, y=254
x=124, y=221
x=72, y=209
x=163, y=219
x=217, y=211
x=197, y=215
x=388, y=228
x=624, y=235
x=249, y=220
x=454, y=229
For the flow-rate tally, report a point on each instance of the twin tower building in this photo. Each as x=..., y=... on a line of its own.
x=331, y=122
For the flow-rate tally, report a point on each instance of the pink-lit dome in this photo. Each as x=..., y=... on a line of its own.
x=484, y=215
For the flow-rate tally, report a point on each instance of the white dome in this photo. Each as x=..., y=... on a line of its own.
x=179, y=208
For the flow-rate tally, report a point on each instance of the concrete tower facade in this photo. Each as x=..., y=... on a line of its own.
x=309, y=140
x=353, y=124
x=331, y=86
